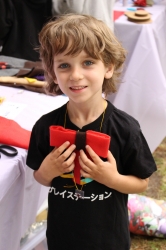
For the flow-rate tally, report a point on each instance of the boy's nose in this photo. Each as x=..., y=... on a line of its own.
x=76, y=75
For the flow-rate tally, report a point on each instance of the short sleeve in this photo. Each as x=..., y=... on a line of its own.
x=38, y=147
x=138, y=160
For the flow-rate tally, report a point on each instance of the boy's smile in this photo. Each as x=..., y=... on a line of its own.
x=80, y=77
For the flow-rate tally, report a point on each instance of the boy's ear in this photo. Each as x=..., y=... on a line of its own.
x=109, y=71
x=55, y=81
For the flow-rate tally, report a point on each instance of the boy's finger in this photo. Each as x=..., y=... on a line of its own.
x=83, y=157
x=63, y=149
x=67, y=153
x=92, y=153
x=110, y=157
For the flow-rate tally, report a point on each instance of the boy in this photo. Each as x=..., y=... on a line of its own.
x=83, y=59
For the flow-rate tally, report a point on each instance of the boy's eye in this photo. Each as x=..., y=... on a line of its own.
x=87, y=63
x=64, y=66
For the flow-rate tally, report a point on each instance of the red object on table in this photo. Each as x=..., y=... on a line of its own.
x=4, y=65
x=117, y=14
x=11, y=133
x=99, y=142
x=141, y=3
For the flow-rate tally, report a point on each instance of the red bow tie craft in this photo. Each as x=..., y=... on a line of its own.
x=99, y=142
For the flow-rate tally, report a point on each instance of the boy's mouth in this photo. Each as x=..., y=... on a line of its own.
x=78, y=87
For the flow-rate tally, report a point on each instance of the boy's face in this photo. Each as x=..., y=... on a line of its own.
x=80, y=77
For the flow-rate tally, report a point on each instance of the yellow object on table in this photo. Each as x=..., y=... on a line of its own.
x=42, y=216
x=22, y=80
x=2, y=99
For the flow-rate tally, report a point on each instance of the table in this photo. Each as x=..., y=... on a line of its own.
x=142, y=92
x=20, y=195
x=20, y=198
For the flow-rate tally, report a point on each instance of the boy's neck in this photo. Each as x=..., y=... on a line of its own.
x=82, y=115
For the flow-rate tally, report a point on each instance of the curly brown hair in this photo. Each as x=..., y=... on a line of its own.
x=82, y=32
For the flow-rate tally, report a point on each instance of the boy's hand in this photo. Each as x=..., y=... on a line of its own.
x=100, y=171
x=59, y=161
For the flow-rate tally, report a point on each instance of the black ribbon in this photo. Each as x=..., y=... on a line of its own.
x=80, y=140
x=8, y=150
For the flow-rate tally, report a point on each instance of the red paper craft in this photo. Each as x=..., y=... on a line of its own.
x=117, y=14
x=99, y=142
x=11, y=133
x=141, y=3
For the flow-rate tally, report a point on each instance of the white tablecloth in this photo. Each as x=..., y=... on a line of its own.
x=142, y=93
x=20, y=195
x=19, y=199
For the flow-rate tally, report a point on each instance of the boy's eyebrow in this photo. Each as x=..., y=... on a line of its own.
x=59, y=60
x=66, y=58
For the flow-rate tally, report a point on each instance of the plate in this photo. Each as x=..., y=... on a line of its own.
x=141, y=13
x=134, y=16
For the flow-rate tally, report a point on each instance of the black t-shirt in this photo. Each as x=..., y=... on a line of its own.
x=100, y=220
